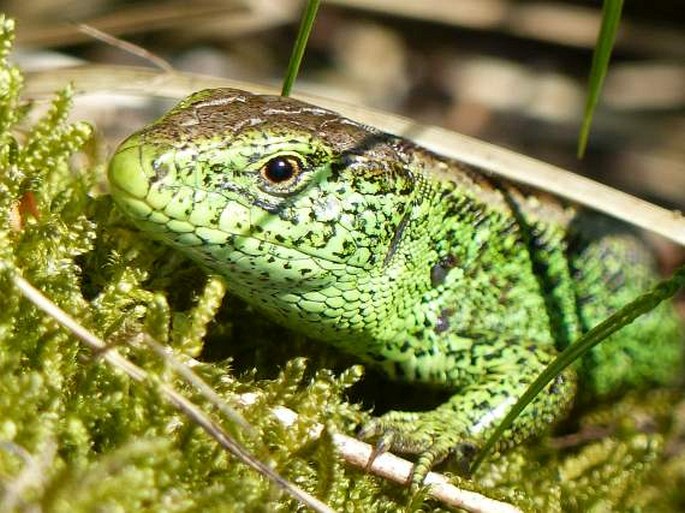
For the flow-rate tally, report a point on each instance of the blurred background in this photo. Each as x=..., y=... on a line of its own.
x=512, y=72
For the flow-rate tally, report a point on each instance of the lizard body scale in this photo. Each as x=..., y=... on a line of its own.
x=432, y=270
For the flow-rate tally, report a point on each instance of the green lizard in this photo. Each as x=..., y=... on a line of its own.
x=430, y=269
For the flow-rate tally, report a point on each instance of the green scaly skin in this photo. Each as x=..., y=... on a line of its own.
x=434, y=271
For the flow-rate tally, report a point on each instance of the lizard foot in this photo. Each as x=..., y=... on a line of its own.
x=429, y=435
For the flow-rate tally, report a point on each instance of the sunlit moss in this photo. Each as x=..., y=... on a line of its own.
x=77, y=435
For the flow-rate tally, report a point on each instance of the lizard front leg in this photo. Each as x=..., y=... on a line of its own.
x=460, y=426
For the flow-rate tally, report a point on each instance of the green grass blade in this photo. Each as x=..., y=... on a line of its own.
x=611, y=15
x=616, y=321
x=306, y=24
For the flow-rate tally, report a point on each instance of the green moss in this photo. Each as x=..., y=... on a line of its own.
x=77, y=435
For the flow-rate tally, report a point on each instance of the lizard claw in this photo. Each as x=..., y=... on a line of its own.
x=373, y=429
x=383, y=445
x=420, y=434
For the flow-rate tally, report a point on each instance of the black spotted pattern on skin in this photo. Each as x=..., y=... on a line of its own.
x=427, y=268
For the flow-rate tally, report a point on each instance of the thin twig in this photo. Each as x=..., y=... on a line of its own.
x=111, y=356
x=353, y=451
x=359, y=454
x=201, y=385
x=32, y=475
x=490, y=158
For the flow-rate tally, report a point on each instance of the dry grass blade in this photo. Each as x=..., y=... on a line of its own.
x=126, y=46
x=353, y=451
x=112, y=357
x=133, y=19
x=207, y=391
x=499, y=161
x=32, y=474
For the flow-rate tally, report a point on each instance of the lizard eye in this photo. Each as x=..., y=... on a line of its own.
x=281, y=169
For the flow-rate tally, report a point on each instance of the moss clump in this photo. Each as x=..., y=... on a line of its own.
x=78, y=435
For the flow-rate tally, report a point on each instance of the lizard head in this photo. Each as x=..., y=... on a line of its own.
x=265, y=190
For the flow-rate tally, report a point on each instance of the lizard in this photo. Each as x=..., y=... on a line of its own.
x=434, y=271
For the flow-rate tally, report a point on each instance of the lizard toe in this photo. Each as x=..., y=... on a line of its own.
x=421, y=434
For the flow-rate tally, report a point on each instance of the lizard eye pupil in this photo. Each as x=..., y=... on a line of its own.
x=280, y=169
